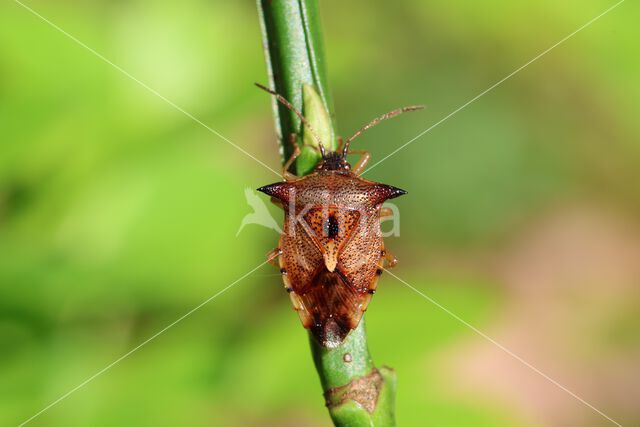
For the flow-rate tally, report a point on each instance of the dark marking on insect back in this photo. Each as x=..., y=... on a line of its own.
x=332, y=227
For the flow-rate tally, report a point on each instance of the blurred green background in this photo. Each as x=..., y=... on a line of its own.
x=118, y=213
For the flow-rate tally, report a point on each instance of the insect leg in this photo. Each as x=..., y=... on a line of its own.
x=388, y=259
x=288, y=176
x=386, y=212
x=277, y=202
x=272, y=257
x=362, y=162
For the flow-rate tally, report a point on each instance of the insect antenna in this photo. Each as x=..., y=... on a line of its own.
x=304, y=121
x=377, y=120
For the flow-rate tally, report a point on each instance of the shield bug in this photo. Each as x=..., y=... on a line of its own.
x=331, y=251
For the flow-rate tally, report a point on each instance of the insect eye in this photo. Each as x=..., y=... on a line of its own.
x=331, y=227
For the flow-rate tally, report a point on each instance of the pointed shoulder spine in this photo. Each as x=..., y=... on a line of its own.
x=280, y=190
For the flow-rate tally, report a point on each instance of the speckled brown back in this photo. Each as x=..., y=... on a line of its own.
x=331, y=248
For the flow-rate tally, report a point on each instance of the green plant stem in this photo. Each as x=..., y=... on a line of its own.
x=356, y=392
x=295, y=57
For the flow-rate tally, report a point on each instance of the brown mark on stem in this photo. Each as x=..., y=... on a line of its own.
x=362, y=390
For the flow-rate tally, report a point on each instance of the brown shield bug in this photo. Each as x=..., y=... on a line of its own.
x=331, y=251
